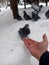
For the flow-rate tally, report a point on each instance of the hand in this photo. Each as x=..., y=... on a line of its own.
x=36, y=48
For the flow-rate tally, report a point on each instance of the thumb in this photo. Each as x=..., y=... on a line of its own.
x=45, y=38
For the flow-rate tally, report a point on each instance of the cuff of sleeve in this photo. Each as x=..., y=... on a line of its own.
x=44, y=60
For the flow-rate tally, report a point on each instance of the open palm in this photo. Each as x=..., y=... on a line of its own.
x=36, y=48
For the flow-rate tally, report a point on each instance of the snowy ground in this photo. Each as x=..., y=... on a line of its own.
x=12, y=48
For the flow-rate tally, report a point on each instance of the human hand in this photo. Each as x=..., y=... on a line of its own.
x=36, y=48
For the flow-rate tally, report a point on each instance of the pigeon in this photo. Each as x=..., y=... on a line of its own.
x=26, y=16
x=23, y=32
x=47, y=14
x=35, y=17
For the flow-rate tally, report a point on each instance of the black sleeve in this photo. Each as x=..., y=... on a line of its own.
x=44, y=60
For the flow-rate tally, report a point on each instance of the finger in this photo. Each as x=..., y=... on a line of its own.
x=33, y=41
x=30, y=44
x=24, y=38
x=27, y=41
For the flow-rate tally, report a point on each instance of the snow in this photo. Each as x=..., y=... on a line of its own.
x=12, y=49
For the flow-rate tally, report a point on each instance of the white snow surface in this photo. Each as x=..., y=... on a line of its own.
x=12, y=48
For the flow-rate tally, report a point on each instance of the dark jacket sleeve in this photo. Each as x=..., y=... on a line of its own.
x=44, y=60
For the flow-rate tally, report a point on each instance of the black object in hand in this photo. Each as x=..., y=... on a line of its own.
x=23, y=32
